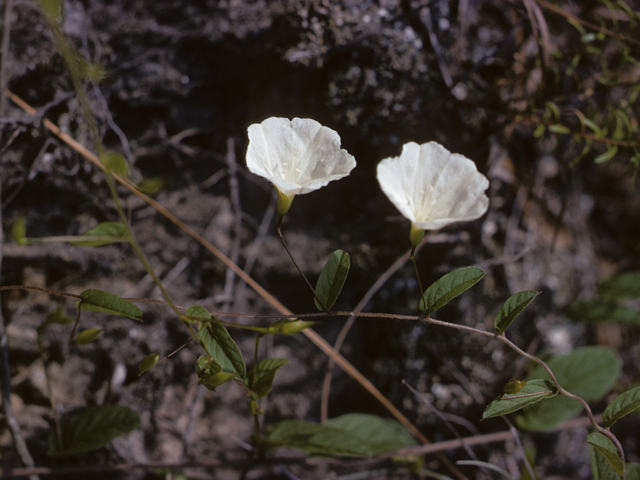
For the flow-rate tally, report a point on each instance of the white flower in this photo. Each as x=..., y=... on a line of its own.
x=297, y=156
x=433, y=187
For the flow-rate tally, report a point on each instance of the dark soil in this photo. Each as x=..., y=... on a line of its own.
x=183, y=82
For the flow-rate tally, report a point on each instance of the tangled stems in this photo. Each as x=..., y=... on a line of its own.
x=262, y=331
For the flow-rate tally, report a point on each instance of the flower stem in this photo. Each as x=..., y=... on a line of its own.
x=415, y=268
x=279, y=229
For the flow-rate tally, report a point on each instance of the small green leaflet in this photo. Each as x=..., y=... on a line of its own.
x=87, y=336
x=353, y=435
x=59, y=317
x=511, y=308
x=623, y=405
x=104, y=302
x=220, y=346
x=148, y=363
x=532, y=392
x=332, y=279
x=605, y=461
x=92, y=428
x=449, y=287
x=19, y=230
x=266, y=372
x=103, y=234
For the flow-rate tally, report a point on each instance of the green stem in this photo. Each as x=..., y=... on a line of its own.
x=284, y=244
x=415, y=268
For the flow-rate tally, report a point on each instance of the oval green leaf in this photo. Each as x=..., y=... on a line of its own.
x=99, y=301
x=332, y=279
x=87, y=336
x=604, y=457
x=353, y=435
x=623, y=285
x=595, y=310
x=115, y=163
x=449, y=287
x=511, y=308
x=557, y=128
x=222, y=349
x=532, y=392
x=265, y=374
x=92, y=428
x=103, y=234
x=623, y=405
x=148, y=363
x=198, y=313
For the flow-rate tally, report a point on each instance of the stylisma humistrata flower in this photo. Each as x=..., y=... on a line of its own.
x=433, y=187
x=297, y=156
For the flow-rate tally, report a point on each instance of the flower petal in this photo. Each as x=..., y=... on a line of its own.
x=433, y=187
x=297, y=156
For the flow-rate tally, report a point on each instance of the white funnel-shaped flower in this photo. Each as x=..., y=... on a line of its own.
x=297, y=156
x=433, y=187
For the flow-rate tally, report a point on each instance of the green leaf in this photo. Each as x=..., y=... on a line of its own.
x=116, y=163
x=210, y=373
x=608, y=155
x=539, y=131
x=511, y=308
x=151, y=186
x=87, y=336
x=557, y=128
x=623, y=285
x=200, y=313
x=354, y=435
x=265, y=374
x=59, y=317
x=111, y=231
x=148, y=363
x=220, y=346
x=449, y=287
x=315, y=439
x=588, y=372
x=332, y=279
x=532, y=392
x=623, y=405
x=19, y=230
x=633, y=471
x=605, y=461
x=92, y=428
x=53, y=10
x=594, y=310
x=105, y=302
x=380, y=434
